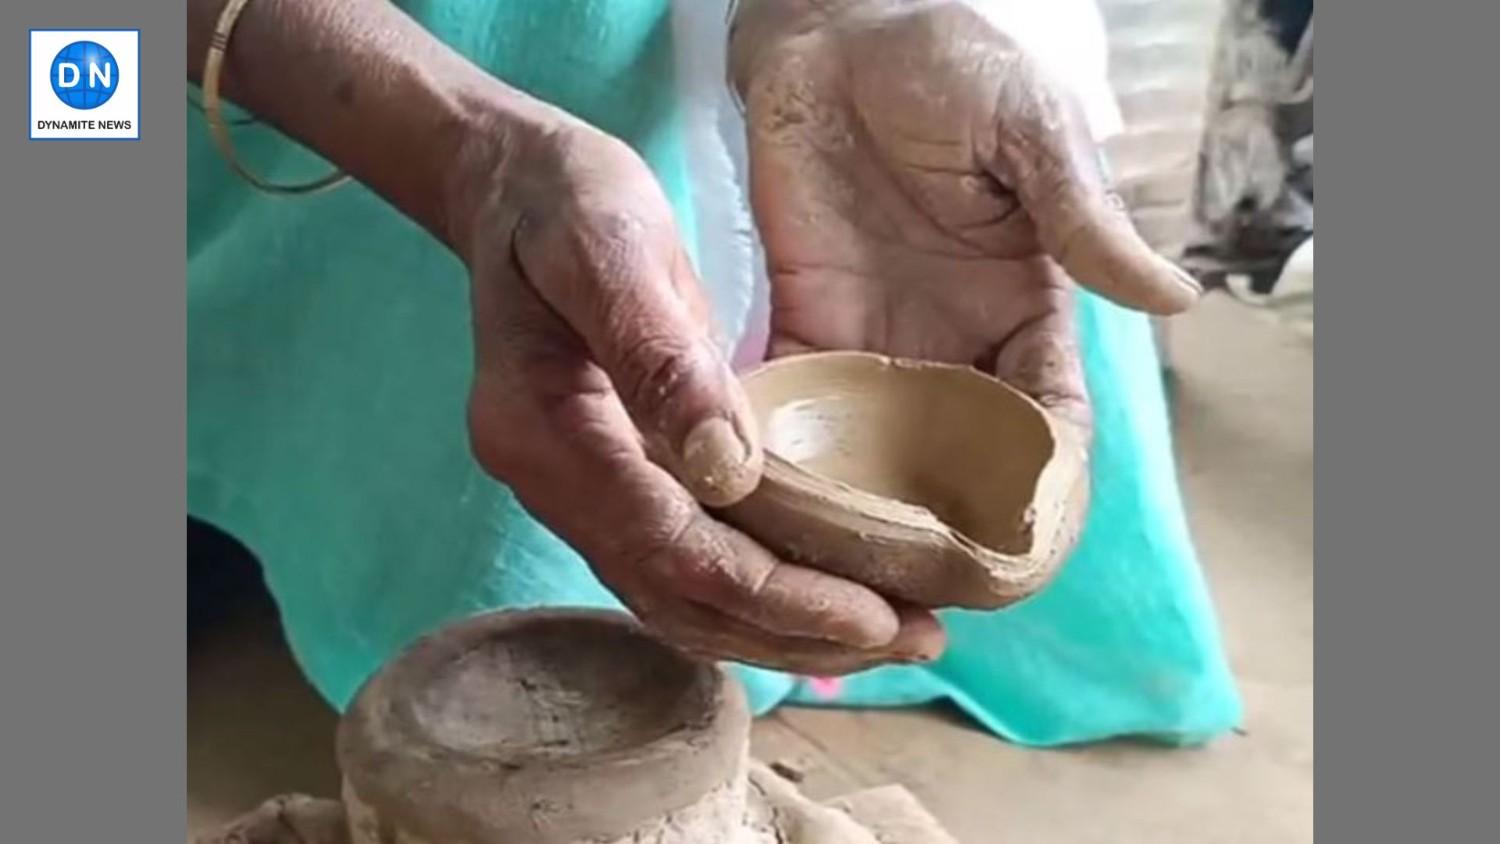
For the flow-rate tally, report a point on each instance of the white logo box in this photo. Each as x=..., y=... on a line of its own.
x=119, y=119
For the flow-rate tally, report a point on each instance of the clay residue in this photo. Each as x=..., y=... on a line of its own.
x=558, y=692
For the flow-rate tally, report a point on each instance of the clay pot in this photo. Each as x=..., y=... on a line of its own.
x=545, y=727
x=930, y=483
x=563, y=727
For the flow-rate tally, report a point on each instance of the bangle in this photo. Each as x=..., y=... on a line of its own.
x=213, y=66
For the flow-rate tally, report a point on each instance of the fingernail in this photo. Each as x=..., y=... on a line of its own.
x=1186, y=279
x=717, y=462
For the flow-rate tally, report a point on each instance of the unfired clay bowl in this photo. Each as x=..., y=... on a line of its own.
x=563, y=726
x=544, y=727
x=930, y=483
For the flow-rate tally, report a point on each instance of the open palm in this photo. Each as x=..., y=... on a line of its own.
x=923, y=190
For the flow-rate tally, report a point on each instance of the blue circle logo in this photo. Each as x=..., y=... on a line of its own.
x=85, y=75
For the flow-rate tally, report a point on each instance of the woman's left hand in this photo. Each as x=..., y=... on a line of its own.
x=924, y=190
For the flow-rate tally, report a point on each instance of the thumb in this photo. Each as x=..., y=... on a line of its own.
x=641, y=317
x=1047, y=152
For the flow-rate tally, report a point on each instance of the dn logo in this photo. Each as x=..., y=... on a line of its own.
x=84, y=75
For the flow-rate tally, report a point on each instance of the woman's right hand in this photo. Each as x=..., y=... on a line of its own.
x=598, y=394
x=602, y=399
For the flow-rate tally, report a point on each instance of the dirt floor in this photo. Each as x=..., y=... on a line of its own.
x=1244, y=411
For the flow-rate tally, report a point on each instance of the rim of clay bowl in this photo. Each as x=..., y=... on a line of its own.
x=1015, y=574
x=428, y=781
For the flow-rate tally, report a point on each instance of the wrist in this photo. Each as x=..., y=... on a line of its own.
x=382, y=99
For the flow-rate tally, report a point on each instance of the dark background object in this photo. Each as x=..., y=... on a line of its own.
x=1253, y=204
x=1290, y=19
x=222, y=574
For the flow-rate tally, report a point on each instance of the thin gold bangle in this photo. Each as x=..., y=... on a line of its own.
x=247, y=120
x=213, y=66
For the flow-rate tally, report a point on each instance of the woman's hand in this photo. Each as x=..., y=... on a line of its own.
x=923, y=190
x=602, y=399
x=598, y=395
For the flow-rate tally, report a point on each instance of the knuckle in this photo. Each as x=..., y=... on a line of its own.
x=610, y=246
x=709, y=577
x=693, y=563
x=654, y=373
x=596, y=257
x=598, y=215
x=575, y=416
x=493, y=442
x=512, y=417
x=657, y=546
x=608, y=225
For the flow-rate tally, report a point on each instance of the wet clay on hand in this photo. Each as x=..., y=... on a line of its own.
x=561, y=727
x=932, y=483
